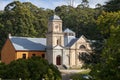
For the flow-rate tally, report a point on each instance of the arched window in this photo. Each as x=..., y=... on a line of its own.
x=82, y=47
x=58, y=42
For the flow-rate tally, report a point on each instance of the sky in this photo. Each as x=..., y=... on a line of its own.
x=51, y=4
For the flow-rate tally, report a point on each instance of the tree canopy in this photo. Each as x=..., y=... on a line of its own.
x=112, y=5
x=109, y=25
x=34, y=68
x=81, y=20
x=109, y=66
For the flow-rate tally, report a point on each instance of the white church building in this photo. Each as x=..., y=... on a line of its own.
x=63, y=48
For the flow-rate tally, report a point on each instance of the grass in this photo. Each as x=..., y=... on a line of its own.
x=79, y=76
x=85, y=71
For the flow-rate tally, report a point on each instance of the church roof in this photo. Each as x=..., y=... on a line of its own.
x=71, y=42
x=67, y=30
x=27, y=43
x=54, y=17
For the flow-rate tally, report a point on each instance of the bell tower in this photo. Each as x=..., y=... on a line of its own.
x=55, y=35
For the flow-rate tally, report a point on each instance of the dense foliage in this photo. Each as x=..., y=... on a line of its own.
x=112, y=5
x=34, y=68
x=109, y=66
x=80, y=20
x=108, y=23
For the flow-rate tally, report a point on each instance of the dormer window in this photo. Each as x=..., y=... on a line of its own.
x=65, y=34
x=71, y=34
x=58, y=42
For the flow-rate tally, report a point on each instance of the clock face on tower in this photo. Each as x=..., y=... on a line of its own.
x=56, y=28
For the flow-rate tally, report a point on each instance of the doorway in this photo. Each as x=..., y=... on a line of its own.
x=58, y=60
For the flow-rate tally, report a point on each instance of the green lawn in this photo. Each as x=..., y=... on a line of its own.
x=79, y=76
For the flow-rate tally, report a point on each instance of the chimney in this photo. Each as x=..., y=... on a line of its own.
x=9, y=35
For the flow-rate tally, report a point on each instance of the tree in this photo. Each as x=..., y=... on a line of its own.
x=109, y=67
x=2, y=69
x=112, y=5
x=98, y=6
x=16, y=69
x=35, y=68
x=20, y=20
x=106, y=21
x=41, y=18
x=85, y=4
